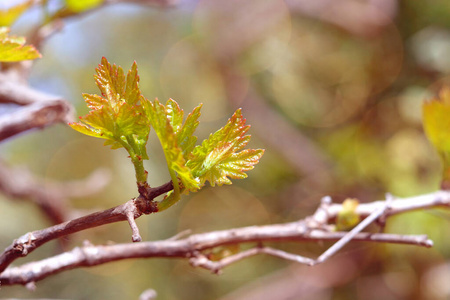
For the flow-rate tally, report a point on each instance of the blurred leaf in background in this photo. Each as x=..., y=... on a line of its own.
x=12, y=11
x=13, y=48
x=82, y=5
x=436, y=122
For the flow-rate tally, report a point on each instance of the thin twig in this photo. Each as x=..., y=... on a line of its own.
x=399, y=205
x=216, y=267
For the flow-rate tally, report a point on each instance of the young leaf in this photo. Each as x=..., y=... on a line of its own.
x=348, y=218
x=184, y=132
x=118, y=114
x=436, y=123
x=13, y=49
x=217, y=158
x=176, y=139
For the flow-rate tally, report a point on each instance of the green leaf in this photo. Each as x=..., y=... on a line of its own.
x=175, y=139
x=118, y=114
x=184, y=132
x=436, y=123
x=217, y=159
x=87, y=130
x=14, y=49
x=82, y=5
x=8, y=16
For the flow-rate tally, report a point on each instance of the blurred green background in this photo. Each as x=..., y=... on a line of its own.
x=333, y=91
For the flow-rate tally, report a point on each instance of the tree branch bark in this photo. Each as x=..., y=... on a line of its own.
x=191, y=248
x=195, y=247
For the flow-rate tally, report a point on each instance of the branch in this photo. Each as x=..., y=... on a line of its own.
x=39, y=109
x=190, y=247
x=51, y=197
x=194, y=247
x=37, y=115
x=32, y=240
x=328, y=211
x=94, y=255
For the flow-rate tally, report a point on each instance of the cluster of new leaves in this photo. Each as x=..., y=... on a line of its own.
x=123, y=117
x=217, y=159
x=436, y=123
x=13, y=48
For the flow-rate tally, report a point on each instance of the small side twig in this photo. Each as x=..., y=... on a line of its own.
x=131, y=212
